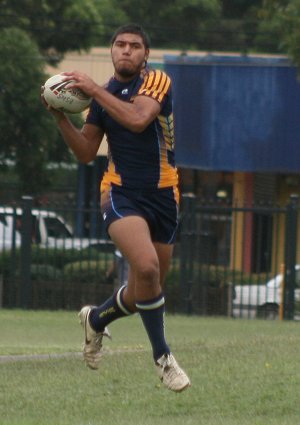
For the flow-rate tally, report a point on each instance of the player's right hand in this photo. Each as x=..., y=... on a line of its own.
x=57, y=114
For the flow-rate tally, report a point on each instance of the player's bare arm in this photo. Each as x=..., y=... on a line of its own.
x=85, y=142
x=135, y=116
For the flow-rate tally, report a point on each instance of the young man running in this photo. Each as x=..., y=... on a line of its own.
x=139, y=194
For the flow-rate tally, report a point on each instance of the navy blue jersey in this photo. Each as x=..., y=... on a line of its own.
x=139, y=160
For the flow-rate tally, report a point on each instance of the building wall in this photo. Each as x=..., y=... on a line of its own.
x=236, y=114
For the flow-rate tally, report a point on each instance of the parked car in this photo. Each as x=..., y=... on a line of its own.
x=262, y=300
x=6, y=233
x=49, y=230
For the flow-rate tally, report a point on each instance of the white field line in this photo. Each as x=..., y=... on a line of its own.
x=10, y=358
x=27, y=357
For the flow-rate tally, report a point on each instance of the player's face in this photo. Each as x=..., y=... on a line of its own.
x=128, y=55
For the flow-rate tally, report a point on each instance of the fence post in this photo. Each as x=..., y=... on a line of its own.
x=13, y=298
x=26, y=233
x=1, y=290
x=187, y=249
x=290, y=258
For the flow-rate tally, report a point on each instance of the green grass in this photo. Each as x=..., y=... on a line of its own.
x=243, y=373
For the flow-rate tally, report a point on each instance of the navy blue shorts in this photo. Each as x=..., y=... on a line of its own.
x=158, y=207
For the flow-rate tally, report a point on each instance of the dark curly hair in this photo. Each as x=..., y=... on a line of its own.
x=132, y=29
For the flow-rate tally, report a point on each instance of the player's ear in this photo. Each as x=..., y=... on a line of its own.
x=146, y=55
x=146, y=58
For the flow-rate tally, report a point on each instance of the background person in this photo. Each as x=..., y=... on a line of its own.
x=118, y=270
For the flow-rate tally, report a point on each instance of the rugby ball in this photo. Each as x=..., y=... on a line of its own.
x=59, y=96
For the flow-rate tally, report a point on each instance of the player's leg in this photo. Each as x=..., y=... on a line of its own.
x=164, y=254
x=131, y=234
x=121, y=303
x=146, y=285
x=116, y=206
x=167, y=367
x=149, y=264
x=95, y=319
x=133, y=238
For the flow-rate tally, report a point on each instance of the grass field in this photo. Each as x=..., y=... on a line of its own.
x=243, y=373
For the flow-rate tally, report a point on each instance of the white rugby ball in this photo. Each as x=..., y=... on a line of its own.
x=59, y=96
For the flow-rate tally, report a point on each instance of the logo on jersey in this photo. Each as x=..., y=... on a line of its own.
x=124, y=91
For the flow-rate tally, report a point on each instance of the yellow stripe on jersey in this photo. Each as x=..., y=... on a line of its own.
x=167, y=125
x=168, y=174
x=110, y=176
x=156, y=85
x=149, y=80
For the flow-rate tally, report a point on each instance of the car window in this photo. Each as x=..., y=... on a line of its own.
x=56, y=229
x=3, y=219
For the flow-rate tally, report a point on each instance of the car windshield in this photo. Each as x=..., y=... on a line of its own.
x=276, y=282
x=3, y=219
x=56, y=229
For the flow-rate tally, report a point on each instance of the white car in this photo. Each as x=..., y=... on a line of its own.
x=49, y=230
x=262, y=300
x=6, y=233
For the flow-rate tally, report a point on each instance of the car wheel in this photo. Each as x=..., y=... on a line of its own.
x=268, y=311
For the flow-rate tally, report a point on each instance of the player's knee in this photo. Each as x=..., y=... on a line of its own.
x=148, y=273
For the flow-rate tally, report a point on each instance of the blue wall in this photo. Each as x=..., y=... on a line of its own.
x=236, y=113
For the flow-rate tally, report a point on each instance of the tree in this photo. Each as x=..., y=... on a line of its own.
x=112, y=16
x=240, y=9
x=173, y=23
x=26, y=127
x=57, y=26
x=282, y=17
x=225, y=25
x=33, y=31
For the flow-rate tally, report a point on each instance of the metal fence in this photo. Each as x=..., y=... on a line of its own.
x=235, y=261
x=239, y=261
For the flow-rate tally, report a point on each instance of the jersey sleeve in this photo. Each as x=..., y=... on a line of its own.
x=94, y=115
x=157, y=85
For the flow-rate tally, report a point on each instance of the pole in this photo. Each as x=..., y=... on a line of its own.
x=290, y=257
x=281, y=306
x=26, y=233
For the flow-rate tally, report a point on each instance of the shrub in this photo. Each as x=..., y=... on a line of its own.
x=60, y=257
x=8, y=261
x=86, y=271
x=45, y=272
